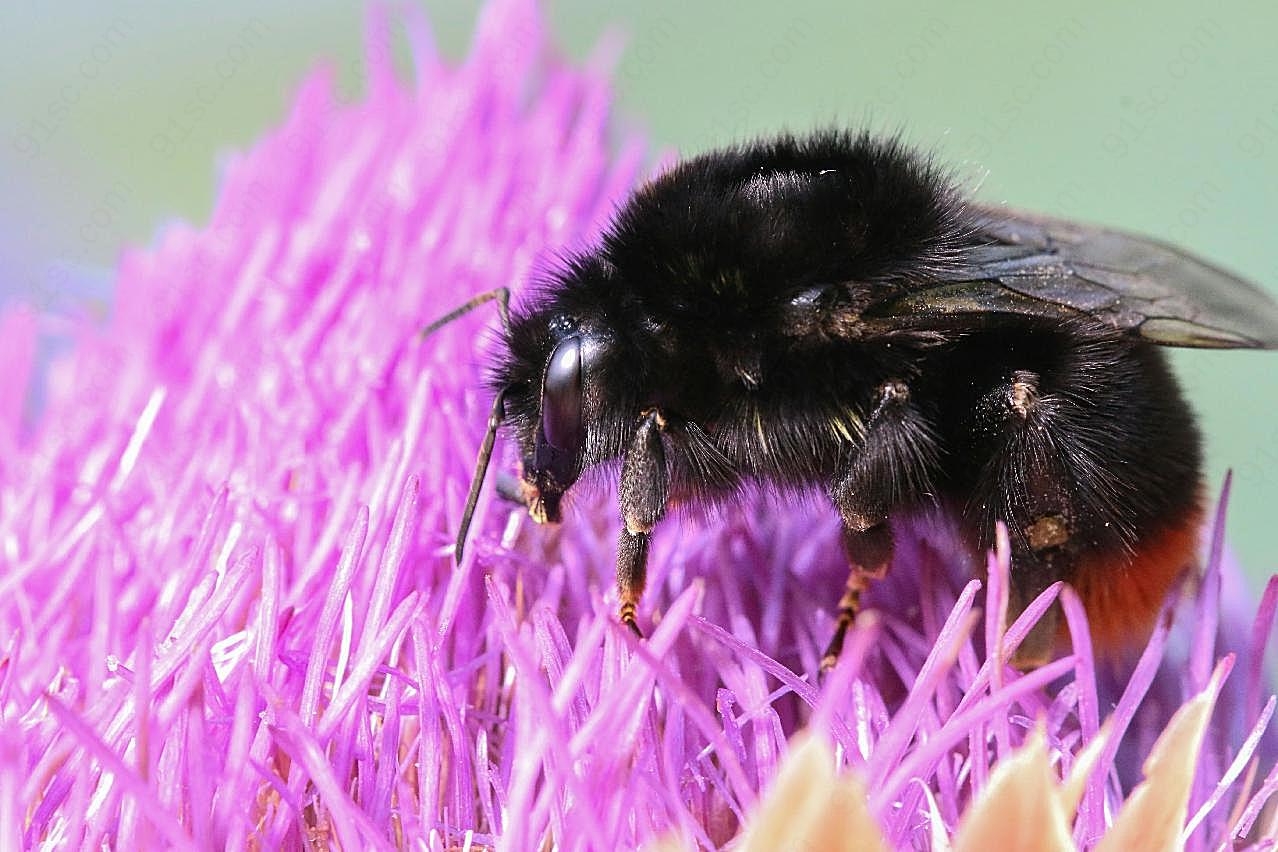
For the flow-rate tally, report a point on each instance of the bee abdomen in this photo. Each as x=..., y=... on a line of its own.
x=1122, y=592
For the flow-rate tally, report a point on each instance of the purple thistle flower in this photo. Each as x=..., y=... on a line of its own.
x=229, y=615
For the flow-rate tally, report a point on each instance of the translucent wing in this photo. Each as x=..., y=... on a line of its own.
x=1035, y=265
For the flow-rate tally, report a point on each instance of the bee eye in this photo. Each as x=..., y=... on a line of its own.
x=561, y=396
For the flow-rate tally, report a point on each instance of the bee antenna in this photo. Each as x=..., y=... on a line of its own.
x=495, y=417
x=501, y=294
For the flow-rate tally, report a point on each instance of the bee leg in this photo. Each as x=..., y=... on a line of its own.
x=1028, y=482
x=1093, y=462
x=643, y=496
x=892, y=470
x=869, y=552
x=632, y=566
x=1032, y=573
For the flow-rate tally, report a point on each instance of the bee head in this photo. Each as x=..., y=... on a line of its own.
x=558, y=441
x=557, y=380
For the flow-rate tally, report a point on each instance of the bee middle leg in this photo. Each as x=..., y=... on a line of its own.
x=869, y=553
x=643, y=494
x=892, y=470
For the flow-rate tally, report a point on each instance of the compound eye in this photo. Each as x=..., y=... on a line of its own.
x=561, y=397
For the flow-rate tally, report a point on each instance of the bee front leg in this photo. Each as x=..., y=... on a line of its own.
x=892, y=470
x=643, y=493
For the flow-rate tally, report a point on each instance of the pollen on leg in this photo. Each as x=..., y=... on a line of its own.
x=894, y=390
x=1023, y=395
x=635, y=526
x=1046, y=532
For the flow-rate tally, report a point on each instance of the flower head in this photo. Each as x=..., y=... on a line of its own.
x=230, y=614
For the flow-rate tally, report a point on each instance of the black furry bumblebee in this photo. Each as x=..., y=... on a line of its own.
x=832, y=311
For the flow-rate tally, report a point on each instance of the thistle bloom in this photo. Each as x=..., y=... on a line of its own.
x=230, y=616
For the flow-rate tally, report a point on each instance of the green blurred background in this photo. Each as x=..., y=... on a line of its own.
x=1161, y=118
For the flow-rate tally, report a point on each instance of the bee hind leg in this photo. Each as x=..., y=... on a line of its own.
x=1029, y=485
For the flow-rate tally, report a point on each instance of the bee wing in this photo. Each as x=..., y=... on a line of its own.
x=1039, y=266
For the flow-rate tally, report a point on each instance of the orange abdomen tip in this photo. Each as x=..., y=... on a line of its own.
x=1123, y=592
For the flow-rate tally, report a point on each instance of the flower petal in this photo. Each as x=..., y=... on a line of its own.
x=1155, y=811
x=810, y=806
x=1020, y=808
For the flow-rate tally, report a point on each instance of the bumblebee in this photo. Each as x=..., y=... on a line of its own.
x=832, y=311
